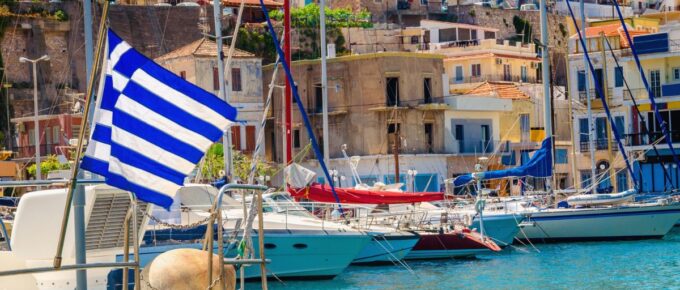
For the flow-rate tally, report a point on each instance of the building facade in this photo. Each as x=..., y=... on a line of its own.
x=197, y=63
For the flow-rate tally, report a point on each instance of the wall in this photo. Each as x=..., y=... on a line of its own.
x=358, y=116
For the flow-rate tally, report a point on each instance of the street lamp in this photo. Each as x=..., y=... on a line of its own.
x=36, y=130
x=412, y=173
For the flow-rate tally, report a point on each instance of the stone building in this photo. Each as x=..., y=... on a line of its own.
x=197, y=63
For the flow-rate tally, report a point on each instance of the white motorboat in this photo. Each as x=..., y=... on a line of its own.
x=298, y=244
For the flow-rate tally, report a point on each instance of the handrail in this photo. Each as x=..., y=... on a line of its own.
x=68, y=267
x=22, y=183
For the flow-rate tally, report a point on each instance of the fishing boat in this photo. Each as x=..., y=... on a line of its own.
x=298, y=245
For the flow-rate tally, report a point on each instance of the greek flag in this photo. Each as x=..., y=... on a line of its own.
x=151, y=126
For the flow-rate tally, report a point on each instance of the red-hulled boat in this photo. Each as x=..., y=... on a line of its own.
x=458, y=243
x=432, y=245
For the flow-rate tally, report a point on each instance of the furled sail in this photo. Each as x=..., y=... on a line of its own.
x=540, y=165
x=323, y=193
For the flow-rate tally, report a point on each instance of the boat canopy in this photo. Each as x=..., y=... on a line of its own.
x=322, y=193
x=540, y=165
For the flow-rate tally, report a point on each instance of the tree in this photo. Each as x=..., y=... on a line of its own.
x=48, y=164
x=213, y=163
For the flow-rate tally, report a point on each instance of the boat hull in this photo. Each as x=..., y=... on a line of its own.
x=387, y=248
x=617, y=223
x=502, y=228
x=294, y=254
x=448, y=245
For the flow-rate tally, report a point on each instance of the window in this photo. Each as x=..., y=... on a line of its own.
x=620, y=125
x=427, y=90
x=561, y=156
x=318, y=98
x=676, y=73
x=183, y=75
x=392, y=91
x=296, y=138
x=583, y=130
x=476, y=70
x=75, y=131
x=655, y=79
x=489, y=35
x=216, y=80
x=585, y=178
x=392, y=135
x=621, y=180
x=510, y=159
x=487, y=145
x=523, y=73
x=48, y=135
x=56, y=135
x=507, y=76
x=459, y=73
x=236, y=137
x=618, y=77
x=428, y=137
x=524, y=127
x=414, y=39
x=581, y=81
x=235, y=79
x=250, y=138
x=31, y=136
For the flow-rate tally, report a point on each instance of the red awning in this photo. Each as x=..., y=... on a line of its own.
x=323, y=193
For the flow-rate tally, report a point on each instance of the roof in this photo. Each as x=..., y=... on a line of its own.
x=252, y=3
x=612, y=30
x=502, y=90
x=203, y=47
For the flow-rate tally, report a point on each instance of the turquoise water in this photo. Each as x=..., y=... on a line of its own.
x=651, y=264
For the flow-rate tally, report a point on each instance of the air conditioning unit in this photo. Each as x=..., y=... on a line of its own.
x=499, y=61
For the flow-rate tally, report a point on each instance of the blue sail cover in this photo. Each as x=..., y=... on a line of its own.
x=540, y=165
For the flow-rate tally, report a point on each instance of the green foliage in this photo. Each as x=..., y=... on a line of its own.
x=60, y=15
x=523, y=28
x=48, y=164
x=213, y=163
x=563, y=30
x=308, y=16
x=258, y=41
x=472, y=13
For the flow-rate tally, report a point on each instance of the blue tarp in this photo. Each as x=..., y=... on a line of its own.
x=540, y=165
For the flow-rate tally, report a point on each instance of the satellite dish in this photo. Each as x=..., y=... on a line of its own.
x=76, y=107
x=222, y=173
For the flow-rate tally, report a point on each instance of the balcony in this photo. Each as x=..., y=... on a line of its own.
x=494, y=78
x=583, y=97
x=479, y=146
x=600, y=144
x=641, y=139
x=29, y=151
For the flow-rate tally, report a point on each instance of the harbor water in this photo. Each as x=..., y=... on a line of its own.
x=648, y=264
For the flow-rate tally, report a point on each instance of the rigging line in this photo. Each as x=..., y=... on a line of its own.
x=642, y=119
x=651, y=96
x=598, y=87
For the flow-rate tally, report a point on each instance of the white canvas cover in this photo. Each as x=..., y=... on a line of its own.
x=297, y=176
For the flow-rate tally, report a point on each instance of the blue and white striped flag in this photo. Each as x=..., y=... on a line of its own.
x=151, y=126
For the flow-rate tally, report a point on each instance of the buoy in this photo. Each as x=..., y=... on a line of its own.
x=185, y=269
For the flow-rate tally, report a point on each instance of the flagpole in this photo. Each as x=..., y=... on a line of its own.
x=81, y=135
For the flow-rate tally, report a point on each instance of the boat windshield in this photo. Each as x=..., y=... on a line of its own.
x=283, y=203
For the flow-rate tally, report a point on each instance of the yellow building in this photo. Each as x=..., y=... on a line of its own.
x=490, y=60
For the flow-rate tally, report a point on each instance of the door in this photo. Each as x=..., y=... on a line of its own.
x=507, y=73
x=459, y=138
x=655, y=80
x=486, y=139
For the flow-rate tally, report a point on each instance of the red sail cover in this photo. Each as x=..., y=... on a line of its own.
x=322, y=193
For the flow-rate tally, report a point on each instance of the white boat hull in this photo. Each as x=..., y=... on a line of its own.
x=387, y=248
x=616, y=223
x=293, y=254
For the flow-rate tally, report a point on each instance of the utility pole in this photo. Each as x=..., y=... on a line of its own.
x=226, y=139
x=36, y=127
x=324, y=83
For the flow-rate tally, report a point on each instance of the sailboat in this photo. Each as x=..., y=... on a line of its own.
x=585, y=219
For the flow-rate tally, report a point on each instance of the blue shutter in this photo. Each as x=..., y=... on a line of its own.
x=509, y=159
x=622, y=180
x=581, y=81
x=620, y=125
x=583, y=129
x=618, y=76
x=561, y=156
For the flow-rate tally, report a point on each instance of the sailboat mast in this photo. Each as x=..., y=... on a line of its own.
x=547, y=110
x=226, y=140
x=591, y=127
x=324, y=82
x=288, y=153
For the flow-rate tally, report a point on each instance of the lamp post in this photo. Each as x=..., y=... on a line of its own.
x=36, y=128
x=412, y=174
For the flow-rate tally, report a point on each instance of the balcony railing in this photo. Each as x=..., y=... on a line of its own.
x=493, y=78
x=639, y=139
x=29, y=151
x=479, y=146
x=583, y=97
x=600, y=144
